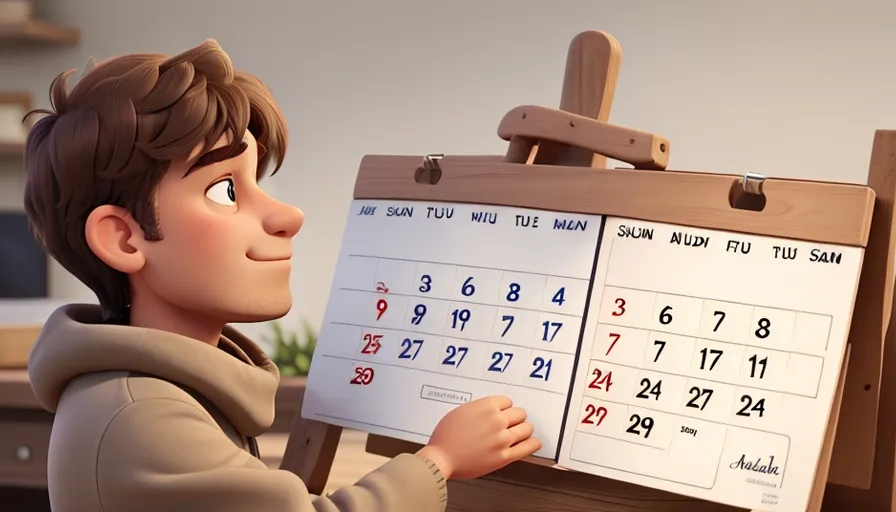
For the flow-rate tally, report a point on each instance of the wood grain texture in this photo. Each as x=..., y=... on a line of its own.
x=854, y=454
x=813, y=211
x=589, y=84
x=310, y=451
x=350, y=463
x=534, y=487
x=37, y=32
x=639, y=148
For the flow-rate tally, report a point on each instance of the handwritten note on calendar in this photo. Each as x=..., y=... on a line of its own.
x=695, y=361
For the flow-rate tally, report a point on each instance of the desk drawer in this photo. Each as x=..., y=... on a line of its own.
x=23, y=452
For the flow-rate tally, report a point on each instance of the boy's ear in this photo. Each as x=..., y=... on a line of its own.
x=109, y=231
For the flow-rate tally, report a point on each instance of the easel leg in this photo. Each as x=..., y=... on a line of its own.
x=827, y=447
x=310, y=451
x=880, y=497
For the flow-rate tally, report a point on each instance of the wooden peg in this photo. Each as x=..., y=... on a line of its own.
x=574, y=132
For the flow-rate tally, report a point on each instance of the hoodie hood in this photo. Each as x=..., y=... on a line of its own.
x=236, y=376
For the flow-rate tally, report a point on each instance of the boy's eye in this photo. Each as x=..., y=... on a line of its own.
x=222, y=192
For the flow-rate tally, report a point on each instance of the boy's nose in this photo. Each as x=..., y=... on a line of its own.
x=284, y=221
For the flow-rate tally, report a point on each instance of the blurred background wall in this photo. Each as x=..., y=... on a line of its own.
x=788, y=89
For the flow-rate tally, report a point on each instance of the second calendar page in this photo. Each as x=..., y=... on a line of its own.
x=709, y=361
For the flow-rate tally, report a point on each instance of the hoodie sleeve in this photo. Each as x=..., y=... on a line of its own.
x=166, y=454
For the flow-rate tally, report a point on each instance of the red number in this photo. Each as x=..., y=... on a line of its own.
x=620, y=303
x=381, y=287
x=381, y=307
x=591, y=411
x=615, y=339
x=363, y=376
x=372, y=343
x=601, y=380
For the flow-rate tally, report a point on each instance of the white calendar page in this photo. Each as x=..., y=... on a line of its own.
x=709, y=362
x=434, y=305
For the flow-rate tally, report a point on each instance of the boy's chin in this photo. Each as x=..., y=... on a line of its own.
x=261, y=311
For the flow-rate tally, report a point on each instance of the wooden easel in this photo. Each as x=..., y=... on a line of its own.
x=855, y=473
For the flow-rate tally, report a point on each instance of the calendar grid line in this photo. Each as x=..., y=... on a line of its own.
x=589, y=296
x=697, y=338
x=339, y=418
x=393, y=365
x=479, y=267
x=604, y=436
x=628, y=409
x=651, y=409
x=484, y=342
x=685, y=376
x=591, y=463
x=486, y=304
x=751, y=305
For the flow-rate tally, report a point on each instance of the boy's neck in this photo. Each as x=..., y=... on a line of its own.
x=150, y=311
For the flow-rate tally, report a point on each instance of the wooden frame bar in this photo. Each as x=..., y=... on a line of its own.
x=822, y=212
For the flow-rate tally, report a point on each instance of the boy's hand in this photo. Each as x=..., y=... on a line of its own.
x=479, y=437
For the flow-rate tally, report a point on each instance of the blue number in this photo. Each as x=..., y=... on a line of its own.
x=558, y=297
x=461, y=315
x=467, y=289
x=514, y=294
x=547, y=325
x=419, y=313
x=509, y=320
x=426, y=279
x=497, y=357
x=406, y=347
x=453, y=352
x=542, y=369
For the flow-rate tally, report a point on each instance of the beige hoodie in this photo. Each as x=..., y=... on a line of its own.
x=149, y=421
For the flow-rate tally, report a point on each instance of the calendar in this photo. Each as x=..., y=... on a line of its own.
x=696, y=361
x=709, y=362
x=434, y=305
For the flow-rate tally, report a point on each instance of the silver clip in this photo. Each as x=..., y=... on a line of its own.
x=431, y=161
x=753, y=183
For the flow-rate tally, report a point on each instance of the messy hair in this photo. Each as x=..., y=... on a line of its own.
x=112, y=138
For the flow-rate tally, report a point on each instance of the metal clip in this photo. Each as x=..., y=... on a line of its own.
x=753, y=183
x=430, y=172
x=431, y=161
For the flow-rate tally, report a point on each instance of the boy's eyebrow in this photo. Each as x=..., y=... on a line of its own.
x=217, y=155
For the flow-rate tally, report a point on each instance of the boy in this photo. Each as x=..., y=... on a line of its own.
x=143, y=183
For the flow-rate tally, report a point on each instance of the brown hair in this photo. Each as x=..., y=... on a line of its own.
x=111, y=140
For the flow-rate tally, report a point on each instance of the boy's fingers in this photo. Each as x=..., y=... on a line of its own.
x=524, y=448
x=501, y=401
x=514, y=416
x=521, y=431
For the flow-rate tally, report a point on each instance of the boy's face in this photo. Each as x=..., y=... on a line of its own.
x=226, y=245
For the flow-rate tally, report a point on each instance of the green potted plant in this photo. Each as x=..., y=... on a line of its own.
x=291, y=354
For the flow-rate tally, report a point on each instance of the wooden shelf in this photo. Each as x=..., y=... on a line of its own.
x=37, y=32
x=9, y=150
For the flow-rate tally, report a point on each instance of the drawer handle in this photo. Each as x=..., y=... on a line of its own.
x=23, y=453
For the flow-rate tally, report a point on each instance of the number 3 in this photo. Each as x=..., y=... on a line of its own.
x=620, y=305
